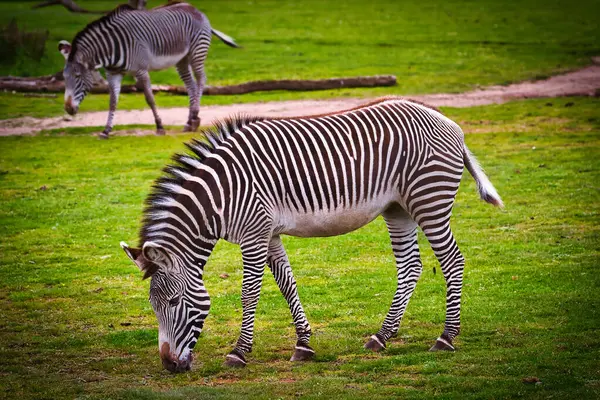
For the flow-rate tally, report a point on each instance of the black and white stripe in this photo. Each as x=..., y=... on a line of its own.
x=137, y=41
x=255, y=179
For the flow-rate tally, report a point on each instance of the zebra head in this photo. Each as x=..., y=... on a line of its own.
x=79, y=78
x=179, y=299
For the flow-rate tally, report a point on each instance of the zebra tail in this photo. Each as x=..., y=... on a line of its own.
x=487, y=191
x=228, y=40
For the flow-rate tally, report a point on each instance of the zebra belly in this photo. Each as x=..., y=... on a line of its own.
x=329, y=223
x=161, y=62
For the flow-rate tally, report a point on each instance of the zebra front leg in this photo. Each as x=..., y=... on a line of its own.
x=143, y=78
x=282, y=271
x=185, y=73
x=114, y=89
x=452, y=264
x=254, y=258
x=403, y=235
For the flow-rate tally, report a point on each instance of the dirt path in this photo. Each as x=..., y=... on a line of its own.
x=584, y=82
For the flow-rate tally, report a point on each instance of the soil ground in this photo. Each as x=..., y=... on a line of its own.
x=583, y=82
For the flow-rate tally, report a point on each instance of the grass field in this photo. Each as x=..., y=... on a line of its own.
x=75, y=321
x=435, y=46
x=74, y=317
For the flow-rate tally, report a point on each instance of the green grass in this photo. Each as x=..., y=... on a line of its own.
x=439, y=46
x=530, y=305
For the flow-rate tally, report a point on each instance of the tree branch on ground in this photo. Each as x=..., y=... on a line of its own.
x=69, y=5
x=55, y=83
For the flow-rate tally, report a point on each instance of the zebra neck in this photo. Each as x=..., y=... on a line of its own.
x=195, y=259
x=186, y=210
x=89, y=57
x=191, y=251
x=97, y=60
x=100, y=44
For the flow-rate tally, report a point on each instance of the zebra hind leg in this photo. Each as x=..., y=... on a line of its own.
x=185, y=73
x=452, y=264
x=197, y=64
x=403, y=235
x=143, y=79
x=282, y=271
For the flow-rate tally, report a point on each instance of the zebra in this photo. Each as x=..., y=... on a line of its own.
x=254, y=179
x=137, y=41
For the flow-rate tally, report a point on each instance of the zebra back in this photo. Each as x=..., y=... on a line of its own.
x=321, y=162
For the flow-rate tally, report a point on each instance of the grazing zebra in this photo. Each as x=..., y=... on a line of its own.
x=257, y=178
x=137, y=41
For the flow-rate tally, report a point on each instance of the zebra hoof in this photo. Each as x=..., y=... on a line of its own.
x=160, y=132
x=235, y=360
x=103, y=135
x=375, y=344
x=192, y=125
x=303, y=353
x=442, y=344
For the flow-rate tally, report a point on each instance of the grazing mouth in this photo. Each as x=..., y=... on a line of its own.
x=71, y=110
x=177, y=365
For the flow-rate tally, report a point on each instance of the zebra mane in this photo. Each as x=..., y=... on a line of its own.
x=117, y=11
x=186, y=164
x=401, y=98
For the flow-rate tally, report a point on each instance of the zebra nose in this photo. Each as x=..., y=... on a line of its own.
x=167, y=360
x=171, y=363
x=69, y=106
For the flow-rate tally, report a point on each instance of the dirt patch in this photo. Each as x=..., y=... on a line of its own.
x=584, y=82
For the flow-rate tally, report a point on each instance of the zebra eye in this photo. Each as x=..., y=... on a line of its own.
x=174, y=301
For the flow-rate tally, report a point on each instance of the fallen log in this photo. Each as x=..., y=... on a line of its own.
x=69, y=5
x=54, y=83
x=303, y=85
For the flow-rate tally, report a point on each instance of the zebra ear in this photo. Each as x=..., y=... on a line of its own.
x=154, y=252
x=156, y=256
x=133, y=254
x=65, y=48
x=145, y=258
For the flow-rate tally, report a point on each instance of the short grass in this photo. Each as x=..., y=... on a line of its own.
x=75, y=321
x=434, y=46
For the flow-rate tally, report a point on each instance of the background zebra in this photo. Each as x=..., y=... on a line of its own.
x=137, y=41
x=256, y=179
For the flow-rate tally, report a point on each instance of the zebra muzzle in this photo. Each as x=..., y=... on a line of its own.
x=69, y=107
x=173, y=363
